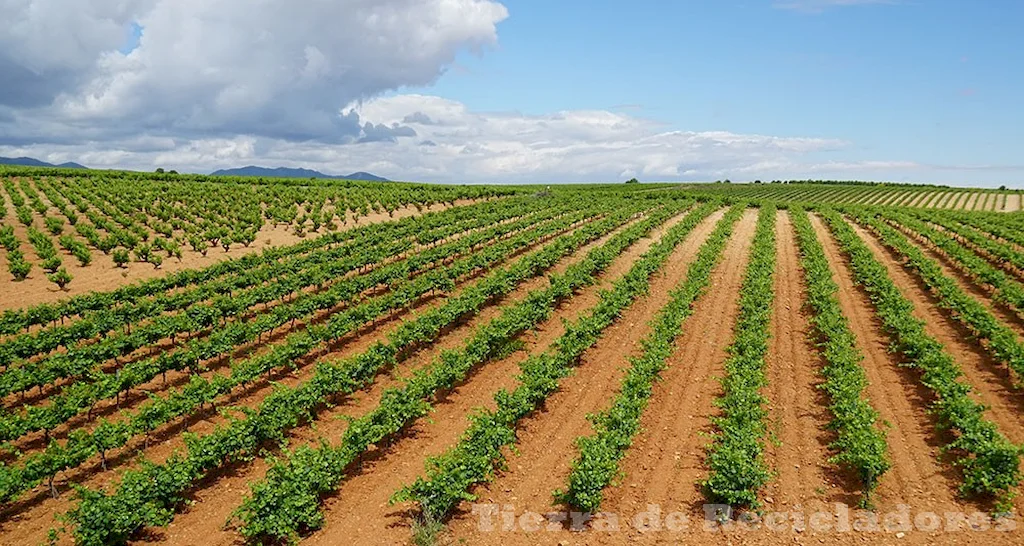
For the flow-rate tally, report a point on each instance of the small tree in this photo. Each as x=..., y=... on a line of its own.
x=20, y=269
x=121, y=257
x=198, y=243
x=1002, y=188
x=52, y=264
x=143, y=252
x=632, y=181
x=54, y=225
x=61, y=278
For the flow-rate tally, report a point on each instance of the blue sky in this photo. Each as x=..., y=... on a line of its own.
x=513, y=91
x=937, y=82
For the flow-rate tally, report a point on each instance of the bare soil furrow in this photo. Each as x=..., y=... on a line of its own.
x=362, y=491
x=985, y=375
x=546, y=445
x=37, y=509
x=666, y=459
x=798, y=410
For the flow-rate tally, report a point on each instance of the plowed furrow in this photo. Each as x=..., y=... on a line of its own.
x=797, y=408
x=215, y=502
x=986, y=376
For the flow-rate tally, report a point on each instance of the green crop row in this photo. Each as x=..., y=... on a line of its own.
x=158, y=410
x=859, y=445
x=990, y=462
x=14, y=321
x=614, y=427
x=1000, y=341
x=479, y=452
x=152, y=495
x=735, y=461
x=97, y=385
x=1006, y=289
x=287, y=501
x=999, y=250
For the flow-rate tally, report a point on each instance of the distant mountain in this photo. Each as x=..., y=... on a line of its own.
x=362, y=175
x=284, y=172
x=30, y=162
x=251, y=170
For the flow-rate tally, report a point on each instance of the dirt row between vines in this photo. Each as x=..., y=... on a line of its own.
x=31, y=518
x=360, y=494
x=546, y=447
x=218, y=365
x=1014, y=202
x=665, y=463
x=980, y=291
x=798, y=409
x=103, y=275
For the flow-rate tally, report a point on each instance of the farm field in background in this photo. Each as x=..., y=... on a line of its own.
x=902, y=195
x=193, y=360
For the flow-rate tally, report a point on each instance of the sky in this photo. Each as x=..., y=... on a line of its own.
x=522, y=91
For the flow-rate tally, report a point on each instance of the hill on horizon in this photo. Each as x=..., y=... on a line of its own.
x=32, y=162
x=285, y=172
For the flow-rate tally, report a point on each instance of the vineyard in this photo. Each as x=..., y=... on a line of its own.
x=857, y=193
x=205, y=360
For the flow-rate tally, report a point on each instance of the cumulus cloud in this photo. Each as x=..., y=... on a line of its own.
x=418, y=117
x=280, y=70
x=570, y=145
x=198, y=85
x=456, y=144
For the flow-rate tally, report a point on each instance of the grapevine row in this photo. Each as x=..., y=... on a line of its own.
x=83, y=361
x=480, y=451
x=287, y=500
x=859, y=445
x=147, y=497
x=1001, y=251
x=103, y=321
x=16, y=262
x=1001, y=341
x=989, y=461
x=157, y=411
x=989, y=224
x=82, y=395
x=14, y=321
x=1006, y=289
x=737, y=467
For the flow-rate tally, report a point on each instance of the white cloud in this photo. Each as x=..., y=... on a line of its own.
x=455, y=144
x=225, y=83
x=452, y=143
x=281, y=69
